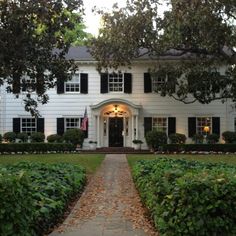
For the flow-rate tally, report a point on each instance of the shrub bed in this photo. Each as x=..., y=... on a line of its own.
x=34, y=196
x=198, y=147
x=35, y=147
x=188, y=198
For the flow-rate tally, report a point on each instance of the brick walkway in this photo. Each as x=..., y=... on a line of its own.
x=110, y=205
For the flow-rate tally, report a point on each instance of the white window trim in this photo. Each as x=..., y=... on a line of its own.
x=71, y=82
x=163, y=117
x=70, y=117
x=21, y=126
x=123, y=83
x=198, y=126
x=152, y=81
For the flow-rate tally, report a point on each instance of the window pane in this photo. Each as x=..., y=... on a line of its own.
x=72, y=123
x=116, y=82
x=203, y=122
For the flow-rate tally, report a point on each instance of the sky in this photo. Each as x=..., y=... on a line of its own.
x=92, y=21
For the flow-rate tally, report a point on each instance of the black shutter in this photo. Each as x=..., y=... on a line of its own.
x=192, y=126
x=60, y=86
x=84, y=83
x=127, y=83
x=171, y=83
x=104, y=83
x=40, y=125
x=60, y=126
x=16, y=83
x=171, y=125
x=147, y=83
x=16, y=125
x=216, y=125
x=147, y=124
x=85, y=131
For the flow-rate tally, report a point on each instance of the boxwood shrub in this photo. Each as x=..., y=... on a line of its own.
x=35, y=147
x=199, y=147
x=34, y=196
x=188, y=198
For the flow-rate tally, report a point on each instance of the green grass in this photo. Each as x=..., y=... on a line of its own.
x=89, y=161
x=228, y=159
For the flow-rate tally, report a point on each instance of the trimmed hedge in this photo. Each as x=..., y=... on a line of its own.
x=35, y=147
x=199, y=148
x=188, y=198
x=34, y=196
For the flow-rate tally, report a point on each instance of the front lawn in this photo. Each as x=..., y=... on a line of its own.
x=89, y=161
x=228, y=159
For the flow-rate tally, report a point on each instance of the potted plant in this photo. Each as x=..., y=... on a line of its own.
x=137, y=144
x=92, y=145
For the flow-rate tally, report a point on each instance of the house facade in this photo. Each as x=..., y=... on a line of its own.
x=121, y=106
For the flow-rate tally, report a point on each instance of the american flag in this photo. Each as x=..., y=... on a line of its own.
x=84, y=121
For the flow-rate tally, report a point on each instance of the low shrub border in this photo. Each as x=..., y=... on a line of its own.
x=35, y=147
x=188, y=198
x=197, y=148
x=41, y=194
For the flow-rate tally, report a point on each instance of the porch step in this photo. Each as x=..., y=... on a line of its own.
x=118, y=150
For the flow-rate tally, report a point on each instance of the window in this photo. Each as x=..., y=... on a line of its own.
x=28, y=84
x=72, y=123
x=203, y=122
x=28, y=125
x=160, y=124
x=157, y=81
x=73, y=86
x=116, y=82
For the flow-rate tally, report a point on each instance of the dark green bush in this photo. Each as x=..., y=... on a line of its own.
x=37, y=137
x=212, y=138
x=32, y=207
x=35, y=147
x=198, y=138
x=199, y=147
x=177, y=138
x=22, y=136
x=188, y=198
x=74, y=136
x=16, y=204
x=229, y=137
x=10, y=137
x=55, y=138
x=155, y=139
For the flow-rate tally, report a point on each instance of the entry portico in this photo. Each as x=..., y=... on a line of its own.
x=116, y=122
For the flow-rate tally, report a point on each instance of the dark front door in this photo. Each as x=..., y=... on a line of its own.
x=115, y=132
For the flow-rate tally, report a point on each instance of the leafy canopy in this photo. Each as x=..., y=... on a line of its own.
x=33, y=46
x=200, y=34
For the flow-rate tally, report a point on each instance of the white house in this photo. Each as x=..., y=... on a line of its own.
x=121, y=106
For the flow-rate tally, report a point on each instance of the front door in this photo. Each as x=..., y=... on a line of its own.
x=115, y=132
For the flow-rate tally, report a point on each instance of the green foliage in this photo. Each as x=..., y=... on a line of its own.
x=35, y=147
x=199, y=148
x=188, y=198
x=198, y=138
x=22, y=136
x=37, y=137
x=41, y=194
x=212, y=138
x=177, y=138
x=203, y=32
x=155, y=139
x=42, y=24
x=10, y=137
x=74, y=136
x=16, y=204
x=229, y=136
x=54, y=138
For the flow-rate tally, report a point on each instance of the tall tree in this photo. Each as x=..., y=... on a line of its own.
x=199, y=34
x=33, y=46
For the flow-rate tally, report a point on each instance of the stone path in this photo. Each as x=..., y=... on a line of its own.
x=109, y=206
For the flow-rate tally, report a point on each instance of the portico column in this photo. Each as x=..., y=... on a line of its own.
x=98, y=131
x=132, y=129
x=136, y=123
